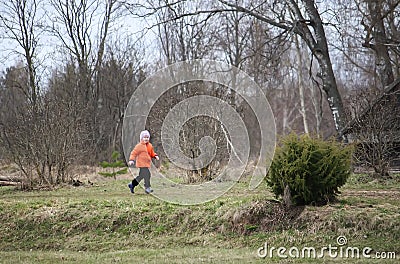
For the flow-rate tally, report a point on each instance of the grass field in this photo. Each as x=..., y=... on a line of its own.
x=104, y=223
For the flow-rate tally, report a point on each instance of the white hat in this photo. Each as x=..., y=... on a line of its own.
x=144, y=133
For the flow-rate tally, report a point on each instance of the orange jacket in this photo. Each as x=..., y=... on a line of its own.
x=142, y=154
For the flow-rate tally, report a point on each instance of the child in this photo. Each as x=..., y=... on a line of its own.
x=141, y=155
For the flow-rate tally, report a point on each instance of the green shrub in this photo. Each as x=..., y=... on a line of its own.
x=114, y=165
x=310, y=168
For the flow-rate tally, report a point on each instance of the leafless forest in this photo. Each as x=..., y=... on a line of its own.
x=70, y=68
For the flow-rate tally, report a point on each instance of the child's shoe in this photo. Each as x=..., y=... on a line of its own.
x=131, y=187
x=148, y=190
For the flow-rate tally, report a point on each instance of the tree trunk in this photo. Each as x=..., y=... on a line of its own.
x=301, y=86
x=382, y=59
x=319, y=47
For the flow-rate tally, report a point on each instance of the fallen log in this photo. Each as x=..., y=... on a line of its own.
x=11, y=178
x=9, y=183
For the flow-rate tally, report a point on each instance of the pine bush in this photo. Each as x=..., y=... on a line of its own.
x=310, y=168
x=115, y=164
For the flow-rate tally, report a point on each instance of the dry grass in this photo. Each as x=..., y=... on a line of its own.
x=104, y=223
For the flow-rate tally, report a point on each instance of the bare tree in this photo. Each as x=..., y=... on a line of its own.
x=121, y=73
x=375, y=128
x=369, y=67
x=20, y=21
x=43, y=143
x=75, y=24
x=291, y=16
x=305, y=21
x=369, y=37
x=190, y=37
x=282, y=66
x=376, y=38
x=13, y=105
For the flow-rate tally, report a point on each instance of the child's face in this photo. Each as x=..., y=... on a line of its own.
x=145, y=139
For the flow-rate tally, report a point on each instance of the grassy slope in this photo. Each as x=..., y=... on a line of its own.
x=104, y=223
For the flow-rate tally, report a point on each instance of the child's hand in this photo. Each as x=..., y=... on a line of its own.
x=131, y=163
x=157, y=158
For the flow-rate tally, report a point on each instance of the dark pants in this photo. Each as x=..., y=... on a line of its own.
x=144, y=173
